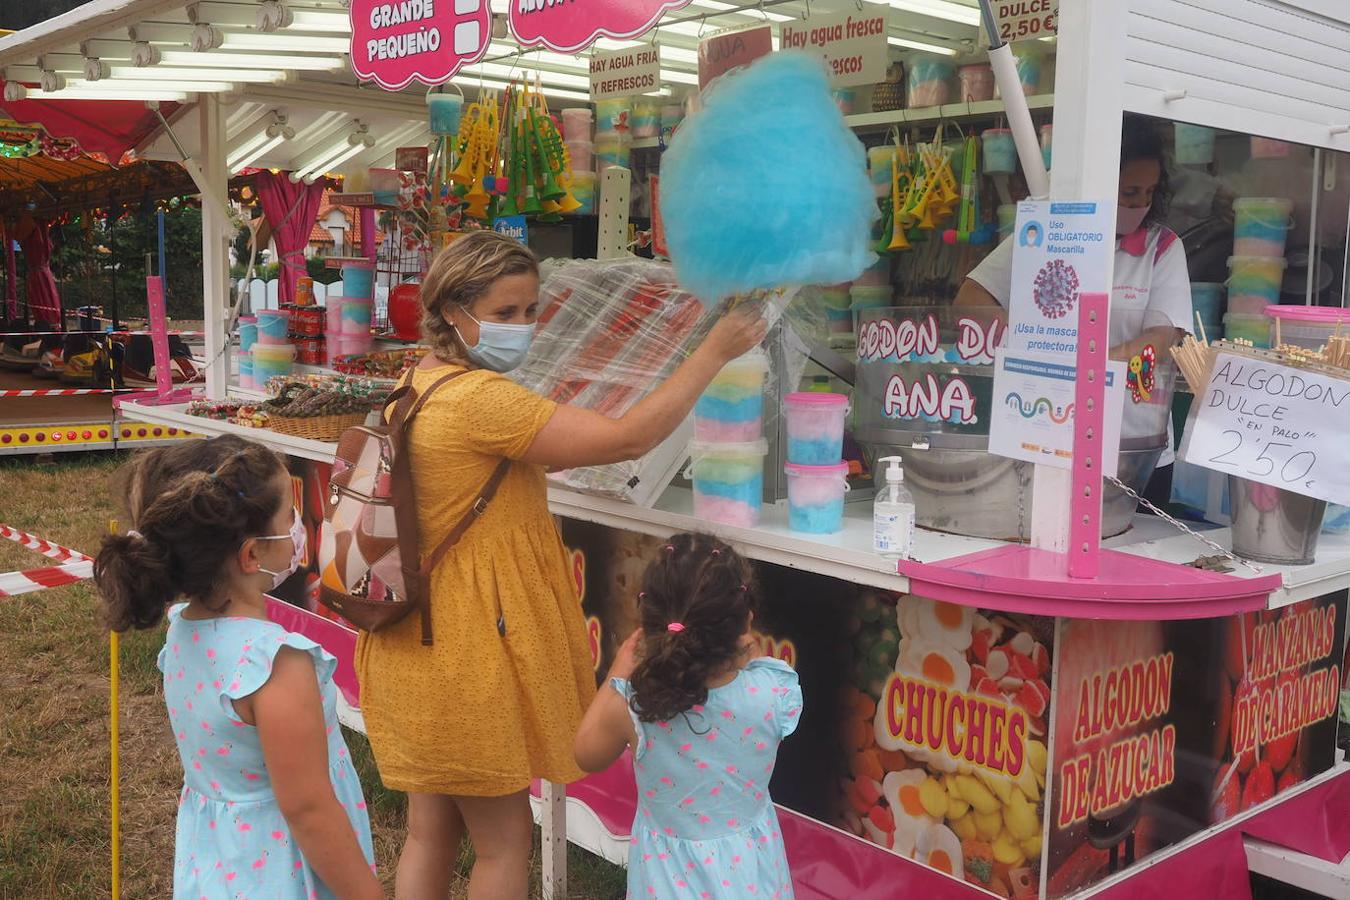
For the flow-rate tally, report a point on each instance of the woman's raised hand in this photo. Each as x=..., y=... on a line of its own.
x=737, y=332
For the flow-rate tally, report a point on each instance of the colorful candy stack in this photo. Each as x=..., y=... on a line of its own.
x=729, y=447
x=728, y=481
x=731, y=410
x=576, y=129
x=817, y=474
x=837, y=300
x=1260, y=226
x=1254, y=283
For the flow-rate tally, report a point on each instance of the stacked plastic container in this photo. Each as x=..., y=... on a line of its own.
x=248, y=336
x=613, y=132
x=348, y=320
x=1256, y=269
x=817, y=476
x=727, y=455
x=576, y=130
x=273, y=353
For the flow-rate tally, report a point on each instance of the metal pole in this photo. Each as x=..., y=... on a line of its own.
x=160, y=217
x=112, y=241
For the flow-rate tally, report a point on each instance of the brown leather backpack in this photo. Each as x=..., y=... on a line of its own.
x=368, y=547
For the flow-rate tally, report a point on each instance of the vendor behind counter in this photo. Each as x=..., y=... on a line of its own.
x=1150, y=263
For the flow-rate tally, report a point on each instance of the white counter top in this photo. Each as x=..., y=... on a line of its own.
x=846, y=555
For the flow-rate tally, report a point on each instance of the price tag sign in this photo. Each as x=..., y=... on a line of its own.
x=1275, y=424
x=397, y=43
x=853, y=43
x=1024, y=20
x=623, y=72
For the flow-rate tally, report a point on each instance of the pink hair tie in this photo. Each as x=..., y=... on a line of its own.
x=675, y=627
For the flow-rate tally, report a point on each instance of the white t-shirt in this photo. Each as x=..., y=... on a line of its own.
x=1150, y=274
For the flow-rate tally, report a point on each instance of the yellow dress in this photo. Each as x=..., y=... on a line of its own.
x=479, y=713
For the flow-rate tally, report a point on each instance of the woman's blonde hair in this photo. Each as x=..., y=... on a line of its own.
x=459, y=275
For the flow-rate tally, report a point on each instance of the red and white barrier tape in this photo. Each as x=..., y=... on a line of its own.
x=46, y=548
x=94, y=333
x=14, y=583
x=65, y=392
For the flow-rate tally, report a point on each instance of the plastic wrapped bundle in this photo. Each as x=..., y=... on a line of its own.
x=766, y=185
x=609, y=333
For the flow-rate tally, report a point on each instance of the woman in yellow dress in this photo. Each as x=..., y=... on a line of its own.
x=463, y=724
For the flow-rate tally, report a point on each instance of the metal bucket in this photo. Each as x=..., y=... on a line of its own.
x=975, y=493
x=1271, y=525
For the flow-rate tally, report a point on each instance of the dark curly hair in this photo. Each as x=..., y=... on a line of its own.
x=193, y=504
x=706, y=587
x=1142, y=138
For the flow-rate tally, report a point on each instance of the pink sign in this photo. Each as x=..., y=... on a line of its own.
x=397, y=42
x=159, y=333
x=567, y=26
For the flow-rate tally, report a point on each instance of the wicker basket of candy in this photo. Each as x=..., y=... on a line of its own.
x=300, y=410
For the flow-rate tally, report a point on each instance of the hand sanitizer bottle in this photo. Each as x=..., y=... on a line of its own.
x=893, y=513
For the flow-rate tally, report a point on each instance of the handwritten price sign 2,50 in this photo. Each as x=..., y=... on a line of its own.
x=1275, y=424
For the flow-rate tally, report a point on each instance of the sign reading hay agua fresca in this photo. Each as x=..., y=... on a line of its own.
x=853, y=43
x=397, y=42
x=636, y=70
x=1275, y=424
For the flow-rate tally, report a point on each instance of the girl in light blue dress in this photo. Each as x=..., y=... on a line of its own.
x=271, y=807
x=704, y=719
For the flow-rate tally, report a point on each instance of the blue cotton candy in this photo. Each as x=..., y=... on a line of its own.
x=766, y=185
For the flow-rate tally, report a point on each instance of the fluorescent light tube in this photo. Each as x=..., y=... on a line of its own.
x=189, y=73
x=280, y=42
x=226, y=60
x=940, y=9
x=920, y=45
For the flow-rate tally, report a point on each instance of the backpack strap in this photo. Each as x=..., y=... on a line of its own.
x=407, y=404
x=476, y=511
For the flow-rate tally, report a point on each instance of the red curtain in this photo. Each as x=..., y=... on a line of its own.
x=290, y=209
x=110, y=127
x=36, y=243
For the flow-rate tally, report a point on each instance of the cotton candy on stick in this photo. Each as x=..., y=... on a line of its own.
x=766, y=186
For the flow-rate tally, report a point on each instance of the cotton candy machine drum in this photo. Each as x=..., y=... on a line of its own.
x=933, y=409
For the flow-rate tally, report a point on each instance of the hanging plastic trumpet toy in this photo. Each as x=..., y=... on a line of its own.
x=924, y=194
x=535, y=159
x=474, y=173
x=969, y=228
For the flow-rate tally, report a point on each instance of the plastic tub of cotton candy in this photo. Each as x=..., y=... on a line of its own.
x=766, y=186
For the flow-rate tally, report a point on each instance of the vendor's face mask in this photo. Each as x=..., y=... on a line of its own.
x=1129, y=218
x=500, y=347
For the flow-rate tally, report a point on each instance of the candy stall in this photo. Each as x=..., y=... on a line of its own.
x=1027, y=673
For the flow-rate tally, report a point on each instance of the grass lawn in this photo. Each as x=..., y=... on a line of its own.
x=55, y=837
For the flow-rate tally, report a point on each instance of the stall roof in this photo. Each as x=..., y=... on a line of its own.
x=298, y=76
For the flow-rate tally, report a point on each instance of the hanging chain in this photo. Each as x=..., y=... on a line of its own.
x=1182, y=526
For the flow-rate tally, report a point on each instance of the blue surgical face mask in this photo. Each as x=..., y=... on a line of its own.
x=500, y=347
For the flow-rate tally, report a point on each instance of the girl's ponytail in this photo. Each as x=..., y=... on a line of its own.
x=695, y=607
x=134, y=581
x=193, y=505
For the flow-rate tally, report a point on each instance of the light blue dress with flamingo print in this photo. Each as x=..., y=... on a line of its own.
x=233, y=842
x=705, y=826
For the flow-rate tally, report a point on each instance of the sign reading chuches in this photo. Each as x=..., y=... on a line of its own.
x=1278, y=425
x=397, y=42
x=566, y=26
x=853, y=43
x=620, y=73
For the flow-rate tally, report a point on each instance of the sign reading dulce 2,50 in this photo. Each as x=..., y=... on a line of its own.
x=398, y=42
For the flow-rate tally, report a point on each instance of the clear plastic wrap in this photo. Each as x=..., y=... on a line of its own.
x=609, y=332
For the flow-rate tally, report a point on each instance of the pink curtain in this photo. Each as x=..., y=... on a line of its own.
x=36, y=244
x=290, y=209
x=11, y=273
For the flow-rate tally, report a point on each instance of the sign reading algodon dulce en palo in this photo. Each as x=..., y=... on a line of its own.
x=396, y=43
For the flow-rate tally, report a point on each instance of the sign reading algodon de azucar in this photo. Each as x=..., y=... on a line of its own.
x=397, y=42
